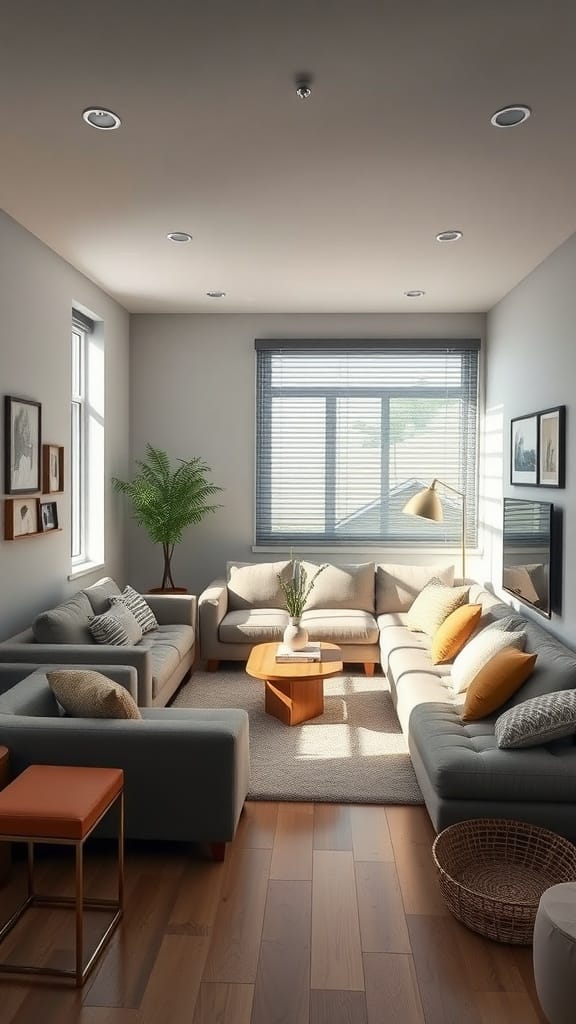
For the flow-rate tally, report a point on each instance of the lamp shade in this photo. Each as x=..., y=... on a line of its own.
x=425, y=504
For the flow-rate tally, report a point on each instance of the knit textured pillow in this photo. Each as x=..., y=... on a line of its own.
x=140, y=608
x=434, y=604
x=117, y=627
x=86, y=694
x=538, y=720
x=478, y=652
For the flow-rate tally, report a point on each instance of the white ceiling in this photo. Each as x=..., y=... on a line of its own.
x=324, y=205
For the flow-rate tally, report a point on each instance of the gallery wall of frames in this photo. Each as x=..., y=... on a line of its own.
x=33, y=472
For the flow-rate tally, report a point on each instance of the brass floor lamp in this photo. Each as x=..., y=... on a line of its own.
x=427, y=505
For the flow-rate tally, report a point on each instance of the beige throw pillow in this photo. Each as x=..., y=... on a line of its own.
x=397, y=586
x=255, y=585
x=433, y=605
x=341, y=586
x=87, y=694
x=478, y=652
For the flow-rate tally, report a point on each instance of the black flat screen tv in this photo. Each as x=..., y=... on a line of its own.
x=528, y=564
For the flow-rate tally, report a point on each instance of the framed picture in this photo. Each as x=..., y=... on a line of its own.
x=524, y=450
x=23, y=438
x=551, y=439
x=48, y=516
x=52, y=468
x=21, y=517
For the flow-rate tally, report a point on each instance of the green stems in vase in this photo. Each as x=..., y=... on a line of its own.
x=298, y=587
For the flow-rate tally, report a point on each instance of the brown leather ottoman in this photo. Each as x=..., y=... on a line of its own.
x=63, y=805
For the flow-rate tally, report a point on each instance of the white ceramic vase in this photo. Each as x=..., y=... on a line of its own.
x=295, y=636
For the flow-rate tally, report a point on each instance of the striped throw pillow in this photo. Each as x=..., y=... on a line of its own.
x=118, y=627
x=140, y=608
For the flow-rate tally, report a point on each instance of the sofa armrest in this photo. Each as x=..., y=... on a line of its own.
x=126, y=675
x=212, y=607
x=173, y=609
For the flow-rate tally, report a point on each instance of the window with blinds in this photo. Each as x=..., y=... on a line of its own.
x=348, y=431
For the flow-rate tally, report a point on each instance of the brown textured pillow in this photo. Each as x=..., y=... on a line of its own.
x=87, y=694
x=451, y=636
x=496, y=682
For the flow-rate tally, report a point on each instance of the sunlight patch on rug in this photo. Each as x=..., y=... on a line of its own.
x=354, y=753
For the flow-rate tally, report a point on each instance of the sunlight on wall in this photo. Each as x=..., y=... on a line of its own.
x=491, y=493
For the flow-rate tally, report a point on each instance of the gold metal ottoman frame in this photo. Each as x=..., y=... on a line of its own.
x=79, y=902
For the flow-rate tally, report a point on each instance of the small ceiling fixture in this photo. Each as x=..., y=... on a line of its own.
x=104, y=120
x=449, y=236
x=303, y=85
x=216, y=295
x=179, y=236
x=415, y=293
x=509, y=117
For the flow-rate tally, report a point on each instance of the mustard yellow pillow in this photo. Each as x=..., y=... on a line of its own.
x=453, y=633
x=496, y=682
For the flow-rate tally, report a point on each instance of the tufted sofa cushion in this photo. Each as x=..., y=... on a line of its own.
x=463, y=761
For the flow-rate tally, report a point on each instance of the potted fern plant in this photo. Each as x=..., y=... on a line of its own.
x=166, y=500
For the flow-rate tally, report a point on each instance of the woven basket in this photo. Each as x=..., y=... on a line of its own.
x=492, y=873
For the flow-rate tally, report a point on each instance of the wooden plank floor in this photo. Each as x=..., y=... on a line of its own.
x=320, y=914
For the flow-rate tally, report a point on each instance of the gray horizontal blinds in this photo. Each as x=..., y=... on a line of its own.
x=348, y=431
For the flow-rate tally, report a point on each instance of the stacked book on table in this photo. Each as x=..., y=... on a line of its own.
x=311, y=652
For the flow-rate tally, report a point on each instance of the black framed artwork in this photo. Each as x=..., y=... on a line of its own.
x=22, y=445
x=524, y=450
x=551, y=447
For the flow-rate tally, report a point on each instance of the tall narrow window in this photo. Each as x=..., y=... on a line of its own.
x=87, y=443
x=348, y=431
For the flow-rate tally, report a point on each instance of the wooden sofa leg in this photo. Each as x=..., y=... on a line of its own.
x=217, y=851
x=212, y=665
x=369, y=667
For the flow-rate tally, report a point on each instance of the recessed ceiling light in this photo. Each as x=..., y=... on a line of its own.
x=216, y=295
x=179, y=236
x=303, y=85
x=104, y=120
x=449, y=236
x=509, y=117
x=416, y=293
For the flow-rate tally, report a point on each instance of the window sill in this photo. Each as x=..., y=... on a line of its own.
x=85, y=569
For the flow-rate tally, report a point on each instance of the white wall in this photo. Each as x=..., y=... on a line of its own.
x=531, y=365
x=37, y=292
x=193, y=393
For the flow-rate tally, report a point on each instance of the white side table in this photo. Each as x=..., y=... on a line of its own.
x=555, y=953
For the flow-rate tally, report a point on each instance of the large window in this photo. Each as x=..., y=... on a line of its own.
x=348, y=431
x=87, y=444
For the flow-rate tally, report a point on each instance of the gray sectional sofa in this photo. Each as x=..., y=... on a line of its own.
x=461, y=771
x=162, y=658
x=186, y=771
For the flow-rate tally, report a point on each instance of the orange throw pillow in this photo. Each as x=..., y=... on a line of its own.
x=451, y=636
x=497, y=682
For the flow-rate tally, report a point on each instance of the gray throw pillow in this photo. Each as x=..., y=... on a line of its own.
x=538, y=720
x=67, y=623
x=117, y=627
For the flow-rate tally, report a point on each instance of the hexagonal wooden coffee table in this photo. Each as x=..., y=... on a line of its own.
x=294, y=691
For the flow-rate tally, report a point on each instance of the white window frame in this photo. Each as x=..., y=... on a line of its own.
x=87, y=484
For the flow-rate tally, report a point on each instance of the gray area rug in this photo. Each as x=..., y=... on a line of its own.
x=354, y=753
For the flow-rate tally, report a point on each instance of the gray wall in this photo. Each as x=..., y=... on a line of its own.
x=531, y=365
x=37, y=292
x=192, y=385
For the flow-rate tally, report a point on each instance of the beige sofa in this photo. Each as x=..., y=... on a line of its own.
x=162, y=658
x=344, y=607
